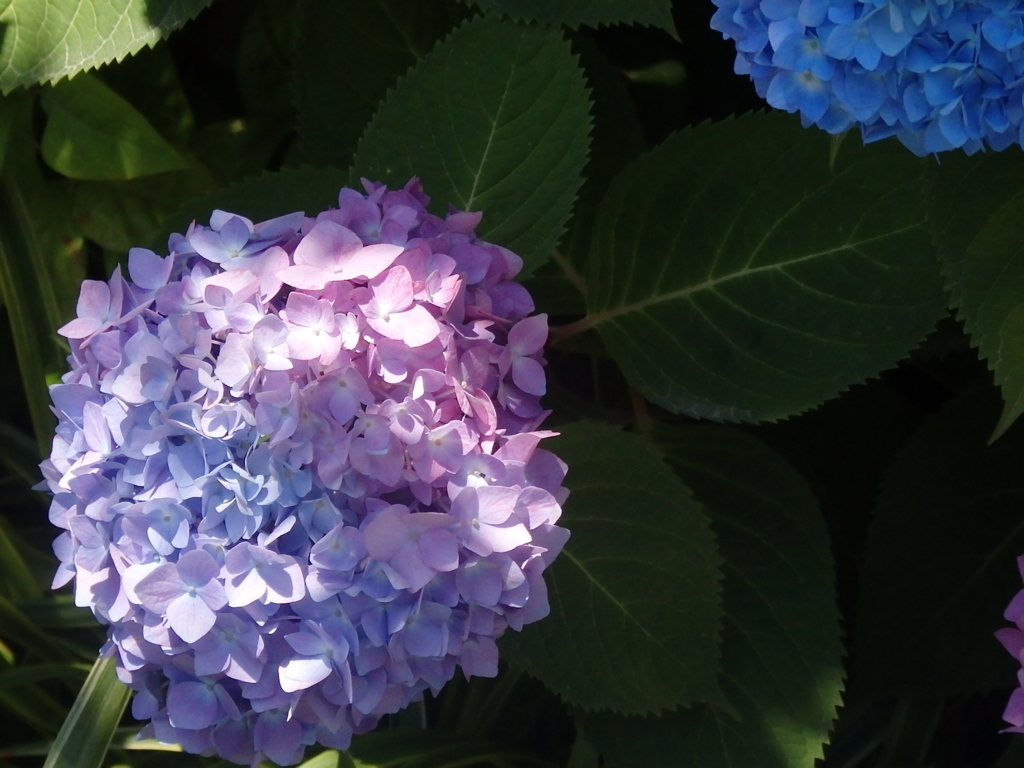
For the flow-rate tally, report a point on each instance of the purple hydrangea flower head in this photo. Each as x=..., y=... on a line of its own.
x=297, y=470
x=938, y=74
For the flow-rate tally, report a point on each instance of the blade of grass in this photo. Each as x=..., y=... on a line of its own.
x=85, y=736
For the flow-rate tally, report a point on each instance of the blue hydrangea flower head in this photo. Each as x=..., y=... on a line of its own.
x=297, y=470
x=937, y=74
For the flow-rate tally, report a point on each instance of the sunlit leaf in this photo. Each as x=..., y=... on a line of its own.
x=635, y=610
x=735, y=276
x=495, y=119
x=44, y=40
x=92, y=133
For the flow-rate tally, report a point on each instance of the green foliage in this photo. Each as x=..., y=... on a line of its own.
x=977, y=211
x=731, y=278
x=744, y=269
x=495, y=119
x=45, y=40
x=634, y=594
x=781, y=667
x=572, y=13
x=381, y=40
x=939, y=559
x=92, y=133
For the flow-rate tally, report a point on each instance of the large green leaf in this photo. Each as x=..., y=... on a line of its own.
x=635, y=611
x=379, y=39
x=495, y=119
x=781, y=667
x=939, y=564
x=86, y=734
x=735, y=274
x=44, y=40
x=92, y=133
x=978, y=206
x=572, y=13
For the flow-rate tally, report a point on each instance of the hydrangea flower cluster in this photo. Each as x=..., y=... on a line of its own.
x=939, y=74
x=298, y=473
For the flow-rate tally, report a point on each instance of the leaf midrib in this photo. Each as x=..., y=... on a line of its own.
x=494, y=127
x=604, y=316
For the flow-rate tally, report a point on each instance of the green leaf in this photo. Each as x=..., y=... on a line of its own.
x=86, y=734
x=635, y=611
x=939, y=558
x=781, y=667
x=379, y=39
x=976, y=214
x=92, y=133
x=328, y=759
x=262, y=197
x=45, y=40
x=495, y=119
x=572, y=13
x=734, y=276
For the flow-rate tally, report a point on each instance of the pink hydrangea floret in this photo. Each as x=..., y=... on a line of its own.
x=297, y=470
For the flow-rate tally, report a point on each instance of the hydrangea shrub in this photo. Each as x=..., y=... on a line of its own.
x=938, y=74
x=298, y=473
